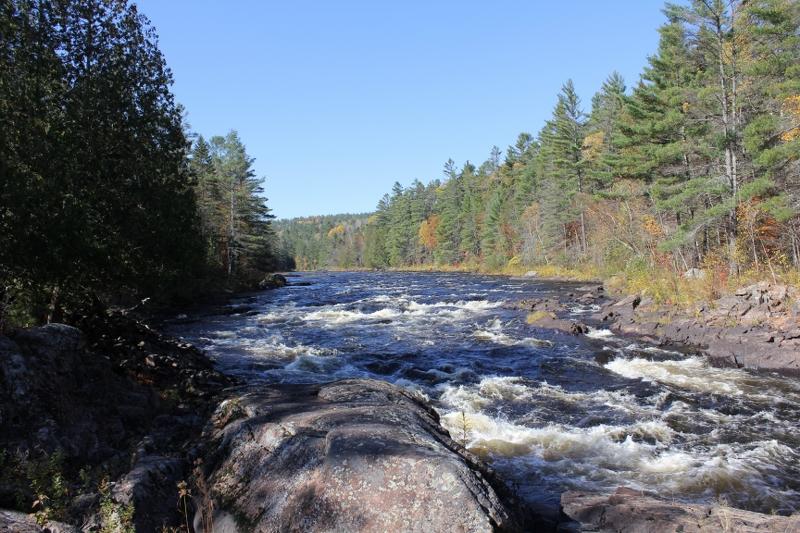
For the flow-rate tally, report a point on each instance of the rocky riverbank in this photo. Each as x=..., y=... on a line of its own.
x=634, y=512
x=117, y=428
x=757, y=327
x=98, y=426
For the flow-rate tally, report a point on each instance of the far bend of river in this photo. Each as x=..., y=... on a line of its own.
x=592, y=413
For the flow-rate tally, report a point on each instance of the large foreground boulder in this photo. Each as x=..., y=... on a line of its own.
x=633, y=512
x=355, y=455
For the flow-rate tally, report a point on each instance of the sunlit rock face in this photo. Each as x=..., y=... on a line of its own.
x=356, y=455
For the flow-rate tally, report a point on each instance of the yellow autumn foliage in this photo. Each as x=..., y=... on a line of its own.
x=791, y=107
x=593, y=145
x=427, y=232
x=336, y=231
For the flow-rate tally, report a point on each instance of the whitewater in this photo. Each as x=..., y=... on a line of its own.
x=550, y=411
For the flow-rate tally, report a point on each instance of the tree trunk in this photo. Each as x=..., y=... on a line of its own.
x=583, y=234
x=232, y=230
x=728, y=93
x=53, y=307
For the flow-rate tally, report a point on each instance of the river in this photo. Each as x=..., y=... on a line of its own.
x=550, y=411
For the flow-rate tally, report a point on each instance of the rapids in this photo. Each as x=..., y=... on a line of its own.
x=549, y=410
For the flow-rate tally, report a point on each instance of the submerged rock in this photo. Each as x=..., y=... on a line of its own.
x=355, y=455
x=547, y=304
x=633, y=512
x=547, y=320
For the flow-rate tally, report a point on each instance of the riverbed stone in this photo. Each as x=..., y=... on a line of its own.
x=272, y=281
x=354, y=455
x=634, y=512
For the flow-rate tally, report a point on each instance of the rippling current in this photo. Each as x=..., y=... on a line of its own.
x=549, y=410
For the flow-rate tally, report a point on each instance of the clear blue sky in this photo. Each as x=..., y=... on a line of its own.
x=337, y=100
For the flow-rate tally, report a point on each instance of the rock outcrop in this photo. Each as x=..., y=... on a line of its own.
x=16, y=522
x=354, y=455
x=633, y=512
x=756, y=328
x=272, y=281
x=80, y=409
x=55, y=395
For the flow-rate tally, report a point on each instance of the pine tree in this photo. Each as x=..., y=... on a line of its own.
x=94, y=156
x=561, y=167
x=599, y=149
x=663, y=139
x=245, y=233
x=450, y=223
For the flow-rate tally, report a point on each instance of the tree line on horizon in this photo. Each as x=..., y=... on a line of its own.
x=696, y=166
x=102, y=194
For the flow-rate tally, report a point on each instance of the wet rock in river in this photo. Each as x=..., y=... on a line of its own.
x=355, y=455
x=272, y=281
x=548, y=320
x=548, y=304
x=633, y=512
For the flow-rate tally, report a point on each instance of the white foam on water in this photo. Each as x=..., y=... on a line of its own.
x=343, y=316
x=275, y=317
x=474, y=398
x=404, y=310
x=605, y=446
x=693, y=373
x=494, y=333
x=223, y=334
x=583, y=309
x=654, y=349
x=314, y=363
x=605, y=456
x=599, y=333
x=274, y=348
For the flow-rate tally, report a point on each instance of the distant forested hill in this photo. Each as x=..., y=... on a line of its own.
x=329, y=241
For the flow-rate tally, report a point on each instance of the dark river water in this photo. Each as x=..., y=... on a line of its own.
x=550, y=411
